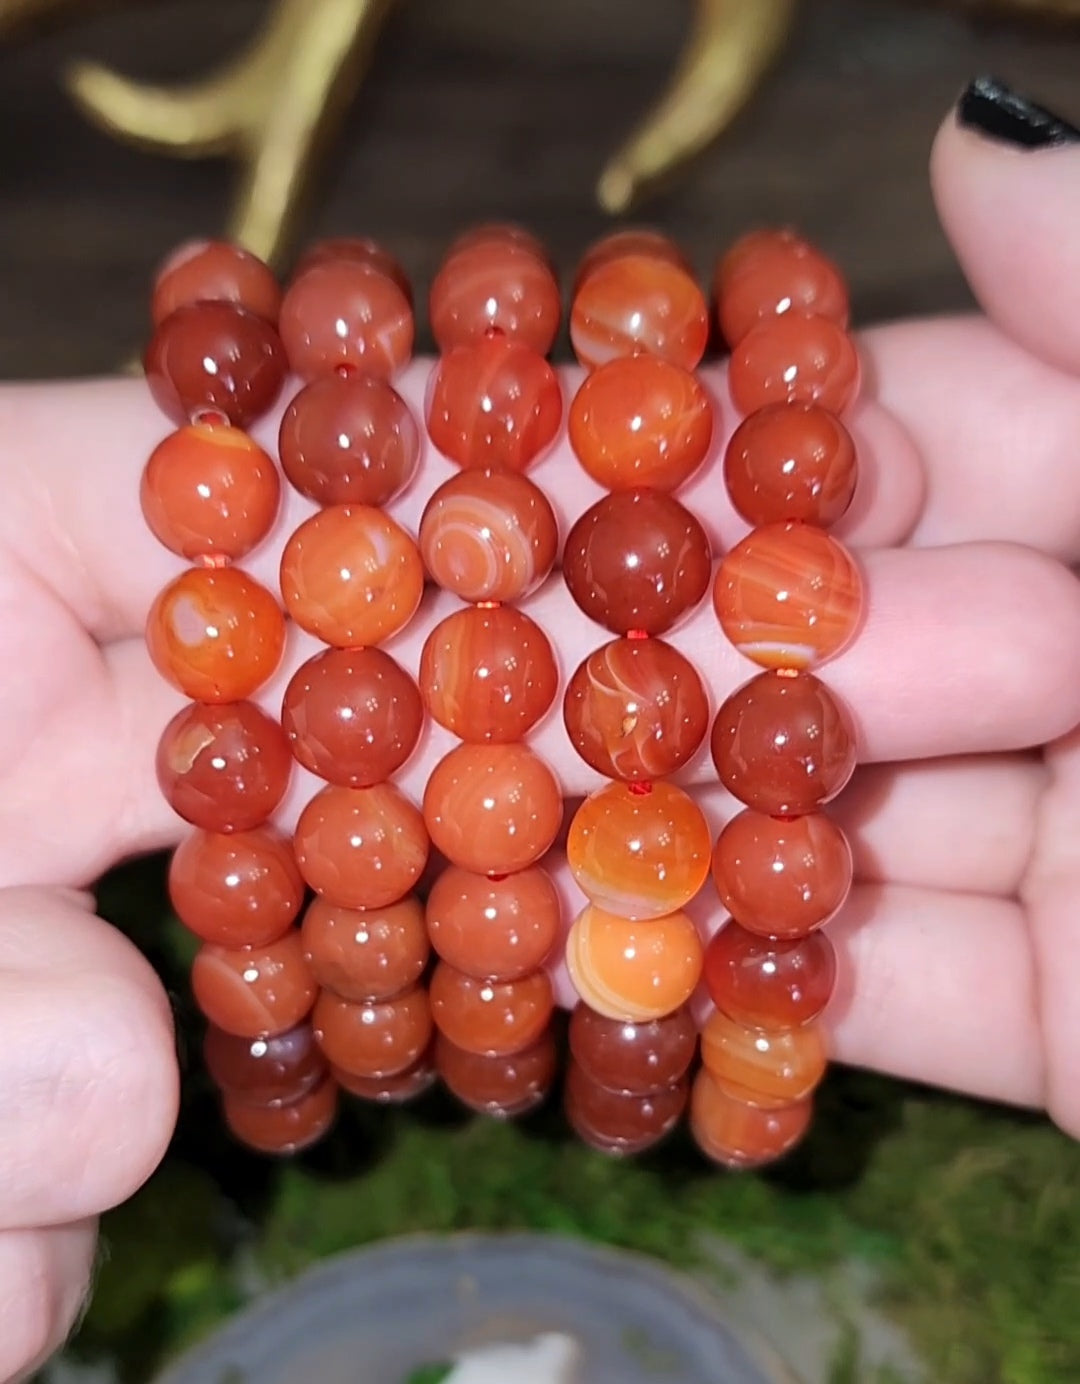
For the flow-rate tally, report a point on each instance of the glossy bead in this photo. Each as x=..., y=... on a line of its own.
x=737, y=1134
x=782, y=877
x=632, y=241
x=500, y=233
x=214, y=271
x=639, y=302
x=788, y=596
x=494, y=284
x=264, y=1071
x=398, y=1089
x=488, y=675
x=794, y=359
x=639, y=1059
x=637, y=560
x=633, y=970
x=494, y=929
x=214, y=357
x=783, y=744
x=639, y=855
x=790, y=461
x=488, y=536
x=254, y=992
x=505, y=1086
x=763, y=983
x=640, y=421
x=373, y=1040
x=346, y=313
x=223, y=768
x=493, y=405
x=349, y=440
x=487, y=1017
x=283, y=1129
x=351, y=576
x=763, y=1067
x=216, y=634
x=636, y=709
x=236, y=891
x=492, y=809
x=352, y=716
x=359, y=250
x=768, y=273
x=617, y=1123
x=210, y=491
x=366, y=953
x=361, y=847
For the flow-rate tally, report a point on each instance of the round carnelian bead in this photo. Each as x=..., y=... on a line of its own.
x=349, y=440
x=639, y=302
x=770, y=984
x=215, y=271
x=397, y=1089
x=763, y=1067
x=366, y=953
x=633, y=241
x=794, y=359
x=216, y=634
x=782, y=877
x=487, y=1017
x=346, y=313
x=790, y=462
x=639, y=1059
x=361, y=847
x=283, y=1129
x=616, y=1122
x=495, y=284
x=236, y=891
x=500, y=233
x=352, y=716
x=788, y=596
x=640, y=421
x=223, y=768
x=768, y=273
x=254, y=992
x=493, y=405
x=214, y=357
x=488, y=675
x=357, y=250
x=639, y=855
x=633, y=970
x=264, y=1071
x=488, y=536
x=351, y=576
x=738, y=1134
x=210, y=491
x=373, y=1040
x=783, y=744
x=494, y=929
x=506, y=1086
x=636, y=709
x=637, y=560
x=492, y=809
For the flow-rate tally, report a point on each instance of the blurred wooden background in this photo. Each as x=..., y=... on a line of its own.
x=501, y=108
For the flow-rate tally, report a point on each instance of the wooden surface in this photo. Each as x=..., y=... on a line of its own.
x=502, y=109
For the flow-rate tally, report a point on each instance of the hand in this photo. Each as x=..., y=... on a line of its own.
x=965, y=684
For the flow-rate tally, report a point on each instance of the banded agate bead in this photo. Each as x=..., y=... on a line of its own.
x=373, y=1040
x=617, y=1123
x=768, y=273
x=639, y=302
x=640, y=1059
x=283, y=1129
x=632, y=241
x=494, y=283
x=366, y=953
x=239, y=890
x=346, y=313
x=764, y=983
x=397, y=1089
x=761, y=1066
x=256, y=991
x=357, y=250
x=506, y=1086
x=490, y=1018
x=214, y=357
x=633, y=970
x=361, y=847
x=794, y=359
x=791, y=462
x=264, y=1071
x=738, y=1134
x=494, y=929
x=214, y=271
x=501, y=233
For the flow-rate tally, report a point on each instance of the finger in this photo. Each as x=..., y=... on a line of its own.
x=44, y=1275
x=87, y=1062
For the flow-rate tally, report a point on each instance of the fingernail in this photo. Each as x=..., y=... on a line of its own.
x=995, y=110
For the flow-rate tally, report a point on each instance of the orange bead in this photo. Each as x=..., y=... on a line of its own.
x=366, y=953
x=639, y=855
x=640, y=1059
x=790, y=461
x=768, y=273
x=216, y=634
x=239, y=890
x=766, y=983
x=373, y=1040
x=639, y=420
x=794, y=359
x=617, y=1122
x=635, y=240
x=397, y=1089
x=208, y=491
x=495, y=284
x=490, y=1018
x=264, y=1071
x=214, y=271
x=788, y=596
x=360, y=250
x=635, y=971
x=346, y=313
x=494, y=929
x=492, y=809
x=762, y=1067
x=361, y=847
x=493, y=405
x=505, y=1086
x=639, y=302
x=283, y=1129
x=254, y=992
x=351, y=576
x=737, y=1134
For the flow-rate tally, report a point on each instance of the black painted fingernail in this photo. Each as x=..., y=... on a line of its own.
x=993, y=109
